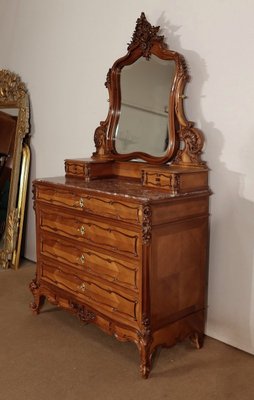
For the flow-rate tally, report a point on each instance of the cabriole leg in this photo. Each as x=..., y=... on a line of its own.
x=197, y=339
x=145, y=360
x=38, y=298
x=37, y=304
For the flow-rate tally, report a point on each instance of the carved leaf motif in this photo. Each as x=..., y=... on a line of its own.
x=33, y=286
x=23, y=126
x=100, y=140
x=108, y=78
x=144, y=35
x=145, y=333
x=11, y=87
x=183, y=68
x=99, y=137
x=12, y=230
x=83, y=313
x=147, y=224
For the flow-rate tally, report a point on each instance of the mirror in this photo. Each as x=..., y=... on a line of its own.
x=14, y=165
x=145, y=101
x=146, y=120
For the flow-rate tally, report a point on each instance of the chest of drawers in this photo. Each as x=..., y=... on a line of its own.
x=124, y=257
x=122, y=239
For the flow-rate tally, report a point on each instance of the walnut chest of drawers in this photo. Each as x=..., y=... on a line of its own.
x=126, y=257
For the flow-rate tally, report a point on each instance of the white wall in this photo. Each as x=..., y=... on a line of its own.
x=63, y=48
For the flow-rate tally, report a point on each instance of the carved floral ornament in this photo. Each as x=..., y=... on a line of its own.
x=13, y=93
x=12, y=89
x=147, y=224
x=145, y=35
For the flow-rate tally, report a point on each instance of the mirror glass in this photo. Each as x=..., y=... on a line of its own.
x=8, y=123
x=145, y=100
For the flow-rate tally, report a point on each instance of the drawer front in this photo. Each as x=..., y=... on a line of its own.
x=163, y=180
x=86, y=231
x=115, y=209
x=111, y=269
x=98, y=295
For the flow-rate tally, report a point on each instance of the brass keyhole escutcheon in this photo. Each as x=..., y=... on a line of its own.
x=82, y=287
x=82, y=230
x=82, y=259
x=80, y=203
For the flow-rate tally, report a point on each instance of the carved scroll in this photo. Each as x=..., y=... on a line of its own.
x=192, y=141
x=100, y=141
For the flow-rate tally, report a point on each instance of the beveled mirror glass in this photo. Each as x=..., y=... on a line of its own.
x=14, y=165
x=145, y=100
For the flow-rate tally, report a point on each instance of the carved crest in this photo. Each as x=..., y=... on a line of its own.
x=144, y=35
x=12, y=89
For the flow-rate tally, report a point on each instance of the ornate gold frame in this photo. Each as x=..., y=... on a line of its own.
x=13, y=94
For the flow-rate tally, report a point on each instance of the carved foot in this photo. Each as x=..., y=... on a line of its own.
x=145, y=370
x=197, y=339
x=145, y=360
x=144, y=345
x=38, y=299
x=37, y=304
x=145, y=363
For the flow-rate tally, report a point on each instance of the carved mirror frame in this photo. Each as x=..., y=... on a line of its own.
x=185, y=142
x=13, y=94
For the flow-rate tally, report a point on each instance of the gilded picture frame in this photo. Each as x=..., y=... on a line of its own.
x=14, y=100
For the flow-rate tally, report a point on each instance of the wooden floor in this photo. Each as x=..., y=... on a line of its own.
x=53, y=356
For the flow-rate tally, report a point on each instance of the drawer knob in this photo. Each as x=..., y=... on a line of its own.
x=82, y=230
x=82, y=259
x=82, y=287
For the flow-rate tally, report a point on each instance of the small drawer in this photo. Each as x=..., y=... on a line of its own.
x=111, y=269
x=106, y=207
x=163, y=180
x=86, y=231
x=98, y=295
x=176, y=181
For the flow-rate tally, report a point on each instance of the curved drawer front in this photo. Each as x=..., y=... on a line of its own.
x=120, y=240
x=110, y=208
x=99, y=296
x=109, y=268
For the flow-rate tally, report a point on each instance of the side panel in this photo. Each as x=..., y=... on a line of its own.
x=178, y=270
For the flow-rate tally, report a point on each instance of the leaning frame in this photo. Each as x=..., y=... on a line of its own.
x=13, y=94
